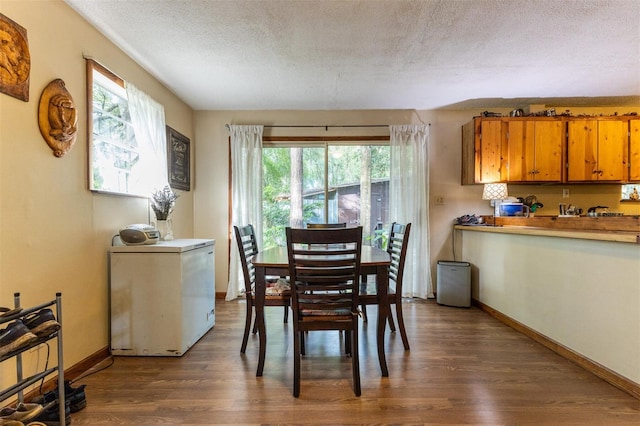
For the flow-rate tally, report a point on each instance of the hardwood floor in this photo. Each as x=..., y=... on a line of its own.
x=464, y=367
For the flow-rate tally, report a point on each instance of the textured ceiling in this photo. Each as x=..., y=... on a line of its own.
x=391, y=54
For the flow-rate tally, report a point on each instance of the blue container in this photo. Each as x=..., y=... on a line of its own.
x=512, y=209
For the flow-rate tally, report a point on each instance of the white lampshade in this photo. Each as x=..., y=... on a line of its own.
x=495, y=191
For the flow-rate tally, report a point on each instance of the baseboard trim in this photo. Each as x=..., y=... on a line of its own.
x=71, y=373
x=88, y=363
x=599, y=370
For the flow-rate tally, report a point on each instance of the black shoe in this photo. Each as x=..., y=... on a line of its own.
x=42, y=323
x=15, y=336
x=76, y=397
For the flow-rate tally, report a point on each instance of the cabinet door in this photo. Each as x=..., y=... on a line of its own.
x=548, y=151
x=582, y=150
x=489, y=155
x=520, y=156
x=612, y=150
x=634, y=150
x=535, y=151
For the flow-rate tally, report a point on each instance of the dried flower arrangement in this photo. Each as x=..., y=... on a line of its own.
x=162, y=202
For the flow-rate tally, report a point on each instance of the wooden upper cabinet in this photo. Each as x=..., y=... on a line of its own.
x=490, y=151
x=535, y=150
x=597, y=150
x=483, y=151
x=551, y=149
x=634, y=150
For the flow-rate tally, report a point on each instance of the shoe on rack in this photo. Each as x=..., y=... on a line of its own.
x=7, y=312
x=51, y=414
x=11, y=423
x=15, y=336
x=42, y=323
x=76, y=397
x=22, y=412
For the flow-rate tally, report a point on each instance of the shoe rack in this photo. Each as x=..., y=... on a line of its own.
x=24, y=382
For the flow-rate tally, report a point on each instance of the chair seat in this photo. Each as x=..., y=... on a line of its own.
x=279, y=288
x=325, y=313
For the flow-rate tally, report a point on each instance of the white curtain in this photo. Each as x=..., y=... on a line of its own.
x=408, y=202
x=246, y=195
x=147, y=118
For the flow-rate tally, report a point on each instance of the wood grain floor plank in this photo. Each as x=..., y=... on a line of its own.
x=464, y=367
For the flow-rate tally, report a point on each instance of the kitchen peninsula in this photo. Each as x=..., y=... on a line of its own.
x=572, y=284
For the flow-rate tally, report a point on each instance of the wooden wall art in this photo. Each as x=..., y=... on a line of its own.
x=57, y=118
x=178, y=160
x=15, y=60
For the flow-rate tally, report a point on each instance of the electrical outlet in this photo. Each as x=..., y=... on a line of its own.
x=439, y=200
x=565, y=193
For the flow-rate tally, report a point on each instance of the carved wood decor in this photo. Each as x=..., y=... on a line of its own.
x=57, y=118
x=15, y=60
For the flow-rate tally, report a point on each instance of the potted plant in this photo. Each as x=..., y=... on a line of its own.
x=163, y=202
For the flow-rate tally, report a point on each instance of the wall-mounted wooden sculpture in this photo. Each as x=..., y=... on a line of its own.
x=15, y=60
x=57, y=118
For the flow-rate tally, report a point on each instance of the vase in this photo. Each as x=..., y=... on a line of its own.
x=165, y=227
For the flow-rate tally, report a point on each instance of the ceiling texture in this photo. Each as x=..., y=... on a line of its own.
x=380, y=54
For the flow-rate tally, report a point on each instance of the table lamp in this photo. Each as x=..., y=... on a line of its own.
x=495, y=192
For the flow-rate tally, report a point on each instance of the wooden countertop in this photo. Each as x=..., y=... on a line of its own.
x=624, y=229
x=581, y=223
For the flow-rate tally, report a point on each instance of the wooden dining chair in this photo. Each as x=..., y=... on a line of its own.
x=324, y=267
x=397, y=249
x=326, y=225
x=278, y=292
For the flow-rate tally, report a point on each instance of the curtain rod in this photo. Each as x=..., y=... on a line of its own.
x=326, y=127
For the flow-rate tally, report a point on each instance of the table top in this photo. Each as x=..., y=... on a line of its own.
x=277, y=257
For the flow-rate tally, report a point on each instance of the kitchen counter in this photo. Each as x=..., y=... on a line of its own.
x=598, y=235
x=623, y=229
x=576, y=288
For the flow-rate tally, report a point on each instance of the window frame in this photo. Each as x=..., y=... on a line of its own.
x=91, y=67
x=324, y=142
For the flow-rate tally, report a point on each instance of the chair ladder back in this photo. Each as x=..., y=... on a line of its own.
x=326, y=225
x=324, y=265
x=248, y=247
x=397, y=249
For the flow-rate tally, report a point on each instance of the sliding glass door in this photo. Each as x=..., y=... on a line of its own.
x=325, y=183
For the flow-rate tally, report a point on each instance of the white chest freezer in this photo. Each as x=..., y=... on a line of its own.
x=162, y=296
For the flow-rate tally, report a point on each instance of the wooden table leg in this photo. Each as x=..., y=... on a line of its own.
x=260, y=323
x=382, y=285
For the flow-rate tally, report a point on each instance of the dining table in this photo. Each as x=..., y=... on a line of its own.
x=274, y=261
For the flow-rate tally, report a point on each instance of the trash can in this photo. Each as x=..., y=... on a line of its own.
x=454, y=283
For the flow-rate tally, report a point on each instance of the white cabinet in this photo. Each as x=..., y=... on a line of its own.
x=162, y=296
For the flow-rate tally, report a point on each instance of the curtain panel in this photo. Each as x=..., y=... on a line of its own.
x=408, y=202
x=246, y=195
x=147, y=119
